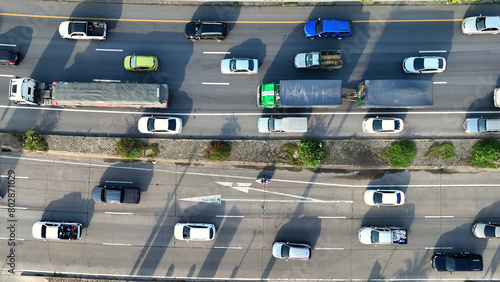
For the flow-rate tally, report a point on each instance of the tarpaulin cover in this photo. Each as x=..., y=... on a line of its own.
x=310, y=93
x=106, y=94
x=398, y=93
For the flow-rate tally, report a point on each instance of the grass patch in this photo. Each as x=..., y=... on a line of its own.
x=441, y=151
x=32, y=141
x=486, y=154
x=400, y=154
x=288, y=154
x=218, y=151
x=290, y=4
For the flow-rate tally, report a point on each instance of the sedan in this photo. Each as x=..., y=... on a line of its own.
x=160, y=125
x=327, y=28
x=382, y=125
x=384, y=197
x=292, y=251
x=194, y=231
x=239, y=66
x=424, y=64
x=481, y=25
x=457, y=262
x=140, y=63
x=486, y=230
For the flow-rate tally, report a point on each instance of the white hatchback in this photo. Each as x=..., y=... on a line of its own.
x=160, y=125
x=384, y=197
x=426, y=64
x=239, y=66
x=291, y=251
x=194, y=231
x=382, y=125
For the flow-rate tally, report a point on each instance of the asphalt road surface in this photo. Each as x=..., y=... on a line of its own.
x=213, y=105
x=324, y=210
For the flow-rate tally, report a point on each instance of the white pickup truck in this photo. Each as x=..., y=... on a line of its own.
x=287, y=124
x=57, y=230
x=383, y=235
x=83, y=30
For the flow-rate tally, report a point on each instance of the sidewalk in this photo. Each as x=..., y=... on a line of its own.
x=341, y=153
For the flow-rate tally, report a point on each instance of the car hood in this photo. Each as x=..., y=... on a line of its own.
x=142, y=125
x=300, y=60
x=310, y=28
x=96, y=194
x=364, y=235
x=471, y=125
x=439, y=263
x=190, y=29
x=277, y=249
x=224, y=66
x=469, y=24
x=263, y=125
x=178, y=231
x=37, y=230
x=126, y=62
x=409, y=64
x=63, y=28
x=478, y=230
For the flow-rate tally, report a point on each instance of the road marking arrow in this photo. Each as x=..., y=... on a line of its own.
x=214, y=199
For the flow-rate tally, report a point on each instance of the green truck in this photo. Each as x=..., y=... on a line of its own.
x=300, y=94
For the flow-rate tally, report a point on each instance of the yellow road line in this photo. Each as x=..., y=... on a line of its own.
x=245, y=22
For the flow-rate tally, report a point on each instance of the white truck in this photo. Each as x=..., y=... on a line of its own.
x=328, y=60
x=83, y=30
x=57, y=230
x=287, y=124
x=383, y=235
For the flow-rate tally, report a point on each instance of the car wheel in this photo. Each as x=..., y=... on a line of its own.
x=192, y=40
x=218, y=40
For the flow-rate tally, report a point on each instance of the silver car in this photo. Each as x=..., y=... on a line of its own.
x=481, y=25
x=382, y=125
x=291, y=251
x=194, y=231
x=384, y=197
x=486, y=230
x=426, y=64
x=160, y=125
x=239, y=66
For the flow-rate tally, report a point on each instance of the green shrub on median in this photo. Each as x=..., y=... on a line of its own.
x=486, y=154
x=400, y=154
x=32, y=141
x=443, y=151
x=218, y=151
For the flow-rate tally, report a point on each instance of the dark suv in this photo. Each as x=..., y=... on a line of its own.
x=457, y=262
x=206, y=30
x=9, y=57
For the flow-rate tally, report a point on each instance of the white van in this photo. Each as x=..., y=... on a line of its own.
x=288, y=124
x=480, y=125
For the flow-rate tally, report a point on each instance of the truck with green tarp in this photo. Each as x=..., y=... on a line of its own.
x=300, y=94
x=395, y=93
x=88, y=94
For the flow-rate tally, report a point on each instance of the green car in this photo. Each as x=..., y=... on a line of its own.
x=141, y=63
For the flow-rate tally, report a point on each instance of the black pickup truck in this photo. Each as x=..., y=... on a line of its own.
x=119, y=195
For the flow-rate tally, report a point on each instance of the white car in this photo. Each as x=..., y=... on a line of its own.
x=481, y=25
x=384, y=197
x=382, y=125
x=47, y=230
x=160, y=125
x=291, y=251
x=239, y=66
x=486, y=230
x=426, y=64
x=194, y=231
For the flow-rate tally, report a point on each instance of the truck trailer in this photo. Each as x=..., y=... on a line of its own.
x=300, y=94
x=395, y=93
x=88, y=94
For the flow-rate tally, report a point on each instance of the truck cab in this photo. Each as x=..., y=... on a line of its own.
x=268, y=95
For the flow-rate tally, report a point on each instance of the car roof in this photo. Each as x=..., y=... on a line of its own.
x=492, y=22
x=299, y=251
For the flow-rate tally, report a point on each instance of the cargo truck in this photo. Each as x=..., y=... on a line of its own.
x=395, y=93
x=328, y=60
x=88, y=94
x=300, y=94
x=287, y=124
x=83, y=30
x=383, y=235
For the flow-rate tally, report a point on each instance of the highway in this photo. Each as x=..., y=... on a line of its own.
x=200, y=94
x=324, y=210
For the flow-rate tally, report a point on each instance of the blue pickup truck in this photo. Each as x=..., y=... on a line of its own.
x=327, y=28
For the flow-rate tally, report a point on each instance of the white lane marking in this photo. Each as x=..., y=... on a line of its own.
x=17, y=208
x=22, y=177
x=119, y=212
x=216, y=53
x=439, y=82
x=337, y=249
x=234, y=248
x=433, y=51
x=332, y=217
x=106, y=80
x=6, y=75
x=10, y=45
x=249, y=114
x=229, y=216
x=215, y=83
x=439, y=248
x=439, y=216
x=109, y=50
x=114, y=244
x=112, y=181
x=17, y=239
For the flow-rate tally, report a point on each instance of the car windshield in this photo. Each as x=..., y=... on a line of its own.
x=285, y=251
x=489, y=231
x=481, y=125
x=319, y=27
x=377, y=125
x=270, y=124
x=450, y=264
x=375, y=236
x=418, y=64
x=480, y=23
x=186, y=232
x=309, y=59
x=133, y=61
x=377, y=198
x=151, y=124
x=232, y=65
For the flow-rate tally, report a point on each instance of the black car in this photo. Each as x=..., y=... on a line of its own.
x=9, y=58
x=119, y=195
x=457, y=262
x=206, y=30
